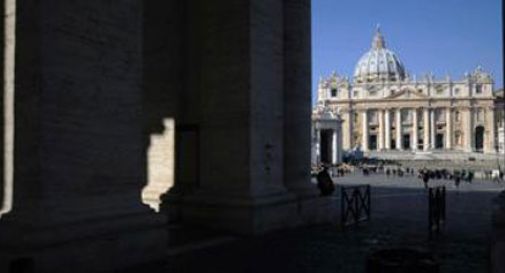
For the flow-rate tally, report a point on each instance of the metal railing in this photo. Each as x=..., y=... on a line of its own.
x=355, y=205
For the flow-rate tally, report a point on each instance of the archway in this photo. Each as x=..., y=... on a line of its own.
x=479, y=138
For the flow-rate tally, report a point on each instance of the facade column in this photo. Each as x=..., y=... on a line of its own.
x=387, y=133
x=432, y=128
x=364, y=140
x=399, y=129
x=414, y=129
x=381, y=129
x=334, y=147
x=346, y=133
x=468, y=127
x=426, y=129
x=489, y=144
x=448, y=128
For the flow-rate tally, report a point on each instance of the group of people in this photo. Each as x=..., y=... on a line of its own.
x=456, y=175
x=325, y=172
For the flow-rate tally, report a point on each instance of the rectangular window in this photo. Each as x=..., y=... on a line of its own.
x=478, y=89
x=333, y=92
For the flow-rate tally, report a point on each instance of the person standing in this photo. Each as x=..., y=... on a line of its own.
x=426, y=179
x=457, y=180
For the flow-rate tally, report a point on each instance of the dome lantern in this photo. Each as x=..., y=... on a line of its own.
x=378, y=40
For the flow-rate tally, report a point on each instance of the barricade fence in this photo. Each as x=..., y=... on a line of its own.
x=355, y=205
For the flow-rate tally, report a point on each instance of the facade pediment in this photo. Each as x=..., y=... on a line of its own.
x=407, y=94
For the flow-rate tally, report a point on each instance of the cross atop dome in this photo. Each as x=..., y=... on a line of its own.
x=378, y=40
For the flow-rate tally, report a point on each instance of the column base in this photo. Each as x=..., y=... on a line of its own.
x=252, y=215
x=103, y=243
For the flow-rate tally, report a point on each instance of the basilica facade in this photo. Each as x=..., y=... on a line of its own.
x=383, y=108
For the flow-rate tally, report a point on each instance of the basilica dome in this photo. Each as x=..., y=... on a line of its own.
x=379, y=63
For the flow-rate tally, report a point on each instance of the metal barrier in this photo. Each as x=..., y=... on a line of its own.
x=436, y=210
x=355, y=205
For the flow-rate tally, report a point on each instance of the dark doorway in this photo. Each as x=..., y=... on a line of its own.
x=406, y=141
x=372, y=142
x=326, y=145
x=479, y=138
x=420, y=144
x=439, y=141
x=393, y=143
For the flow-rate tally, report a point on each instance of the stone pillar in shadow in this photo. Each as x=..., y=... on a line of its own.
x=498, y=235
x=79, y=158
x=297, y=114
x=163, y=83
x=234, y=103
x=235, y=75
x=297, y=97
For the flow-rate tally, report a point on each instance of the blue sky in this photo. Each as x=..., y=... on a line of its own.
x=441, y=36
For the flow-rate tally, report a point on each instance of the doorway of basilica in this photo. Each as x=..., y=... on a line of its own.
x=479, y=138
x=439, y=141
x=372, y=142
x=406, y=141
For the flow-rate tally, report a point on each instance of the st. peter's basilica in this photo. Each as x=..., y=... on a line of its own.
x=383, y=108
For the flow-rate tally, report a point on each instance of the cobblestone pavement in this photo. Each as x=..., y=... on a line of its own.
x=399, y=219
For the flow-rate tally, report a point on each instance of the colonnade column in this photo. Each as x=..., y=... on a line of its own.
x=364, y=140
x=448, y=128
x=432, y=128
x=426, y=128
x=295, y=45
x=387, y=135
x=414, y=129
x=57, y=183
x=399, y=129
x=381, y=129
